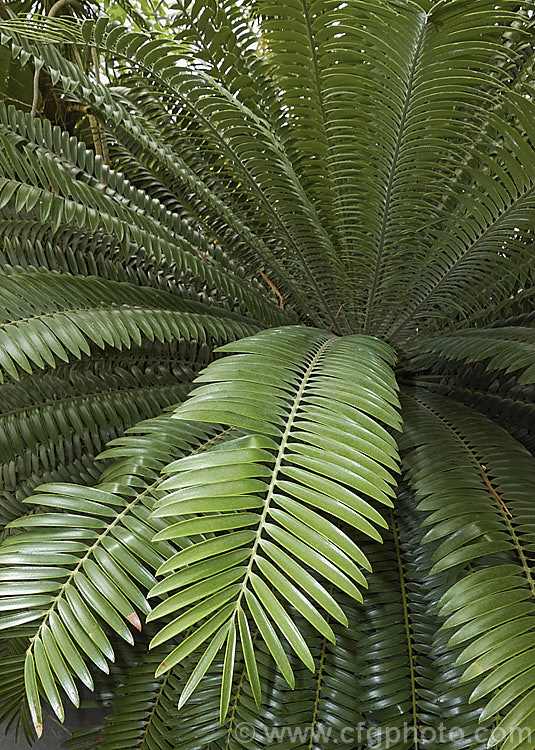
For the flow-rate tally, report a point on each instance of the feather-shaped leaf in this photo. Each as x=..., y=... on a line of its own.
x=285, y=387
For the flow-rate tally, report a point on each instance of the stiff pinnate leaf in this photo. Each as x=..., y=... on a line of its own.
x=317, y=460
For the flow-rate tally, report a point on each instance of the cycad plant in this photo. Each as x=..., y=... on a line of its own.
x=267, y=372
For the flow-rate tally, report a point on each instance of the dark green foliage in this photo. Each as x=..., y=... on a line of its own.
x=267, y=364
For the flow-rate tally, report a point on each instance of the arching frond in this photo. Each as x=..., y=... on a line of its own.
x=324, y=708
x=41, y=414
x=391, y=703
x=48, y=170
x=141, y=712
x=514, y=413
x=507, y=349
x=68, y=459
x=356, y=202
x=14, y=713
x=330, y=181
x=454, y=451
x=84, y=559
x=47, y=316
x=294, y=390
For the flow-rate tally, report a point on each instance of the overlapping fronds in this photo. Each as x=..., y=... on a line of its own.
x=223, y=41
x=505, y=349
x=52, y=429
x=444, y=713
x=46, y=317
x=56, y=407
x=61, y=186
x=476, y=484
x=83, y=563
x=515, y=412
x=142, y=709
x=380, y=112
x=389, y=683
x=335, y=151
x=361, y=173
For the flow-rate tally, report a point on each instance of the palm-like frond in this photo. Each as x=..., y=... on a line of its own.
x=141, y=713
x=48, y=316
x=351, y=171
x=390, y=702
x=41, y=414
x=275, y=480
x=514, y=411
x=81, y=534
x=73, y=190
x=228, y=126
x=492, y=608
x=509, y=349
x=52, y=429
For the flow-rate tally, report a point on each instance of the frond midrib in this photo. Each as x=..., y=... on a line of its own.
x=482, y=471
x=279, y=459
x=392, y=174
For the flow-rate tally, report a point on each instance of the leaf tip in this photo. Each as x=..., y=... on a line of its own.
x=162, y=668
x=134, y=620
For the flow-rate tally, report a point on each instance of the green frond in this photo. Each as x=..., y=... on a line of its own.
x=443, y=704
x=505, y=349
x=388, y=648
x=14, y=713
x=69, y=459
x=197, y=189
x=52, y=429
x=236, y=223
x=45, y=412
x=356, y=203
x=87, y=254
x=324, y=704
x=465, y=471
x=515, y=310
x=56, y=425
x=293, y=390
x=46, y=316
x=243, y=139
x=224, y=42
x=85, y=561
x=62, y=185
x=369, y=120
x=196, y=725
x=142, y=709
x=510, y=408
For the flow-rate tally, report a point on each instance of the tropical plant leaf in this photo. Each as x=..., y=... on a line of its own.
x=67, y=196
x=505, y=349
x=66, y=314
x=140, y=713
x=273, y=492
x=478, y=511
x=59, y=406
x=80, y=566
x=362, y=173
